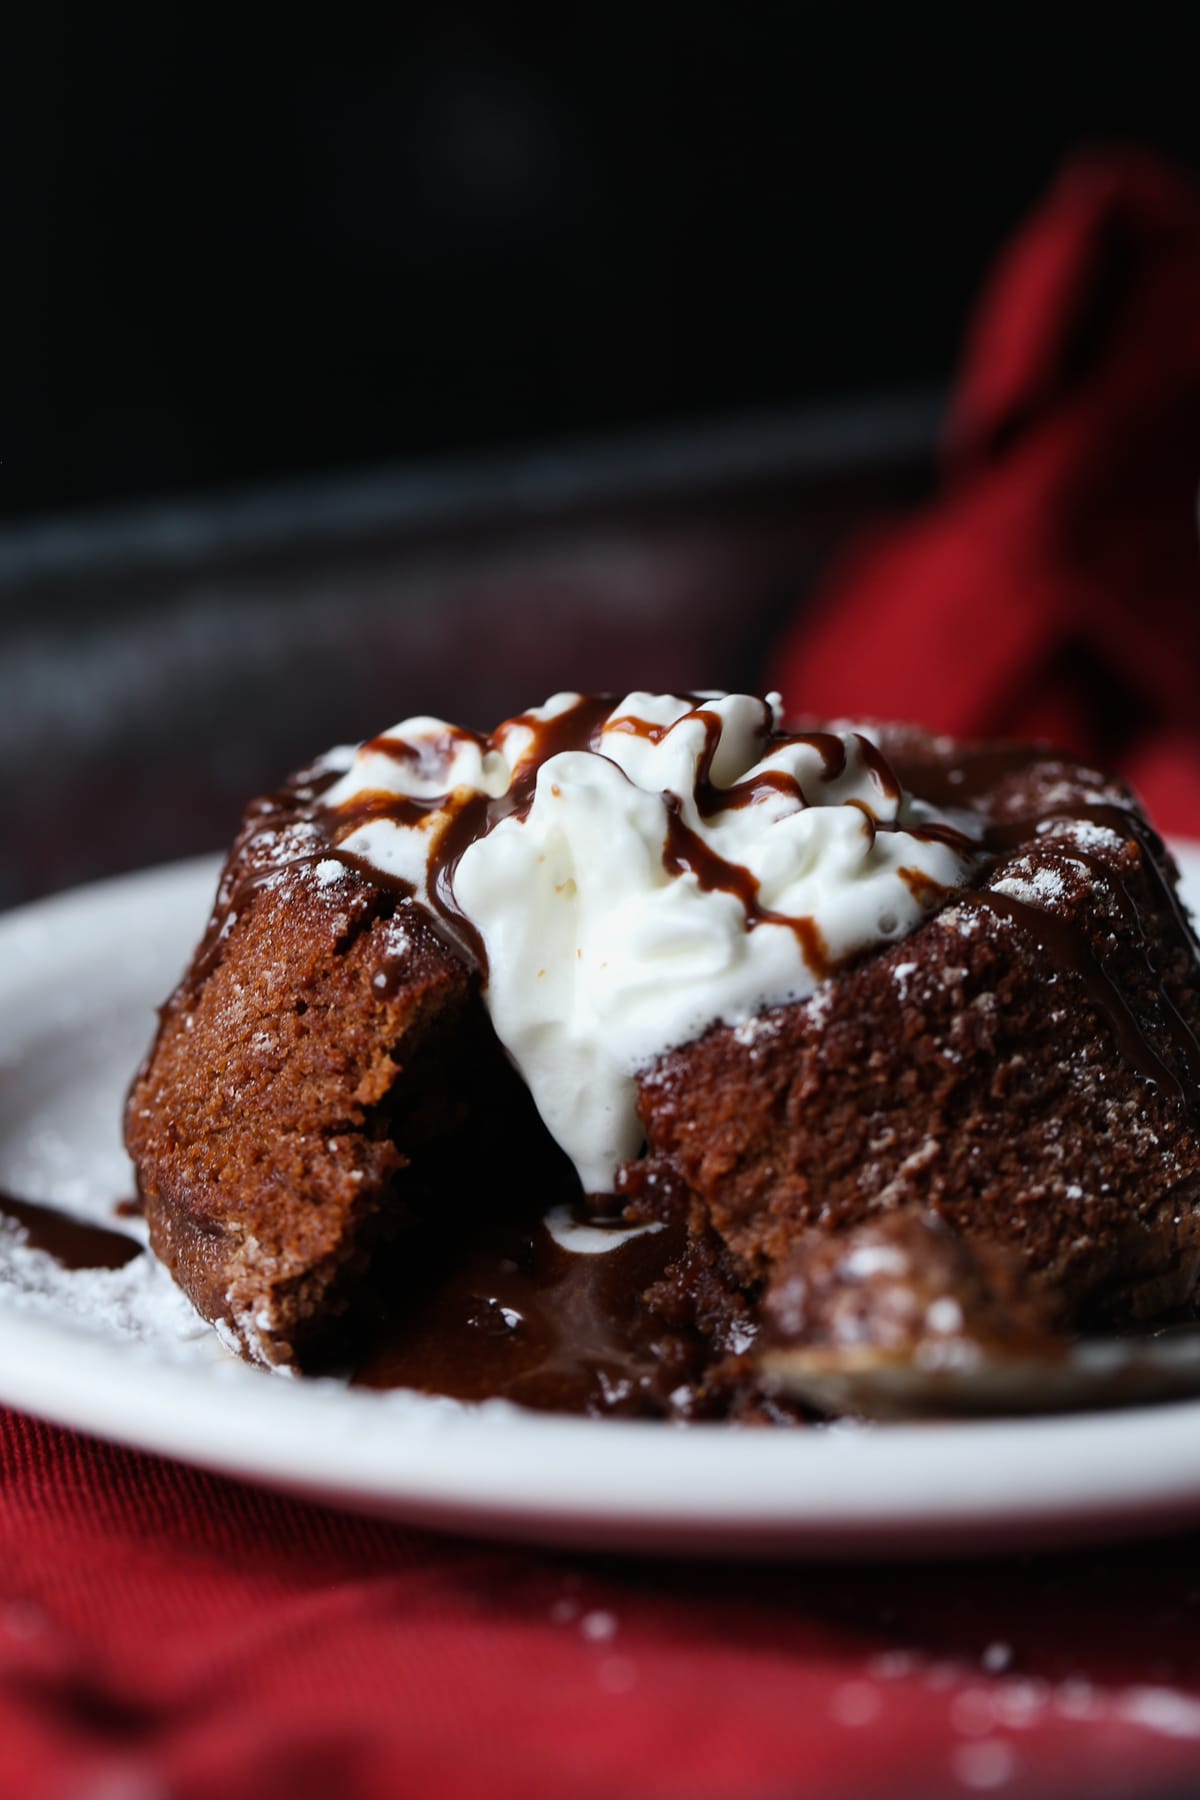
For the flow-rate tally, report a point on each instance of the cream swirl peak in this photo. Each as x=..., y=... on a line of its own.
x=628, y=874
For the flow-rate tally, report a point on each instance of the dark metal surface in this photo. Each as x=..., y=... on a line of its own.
x=157, y=668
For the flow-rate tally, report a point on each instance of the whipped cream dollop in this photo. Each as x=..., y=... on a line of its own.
x=628, y=874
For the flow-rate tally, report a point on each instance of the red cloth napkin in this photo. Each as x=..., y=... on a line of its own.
x=1053, y=587
x=167, y=1635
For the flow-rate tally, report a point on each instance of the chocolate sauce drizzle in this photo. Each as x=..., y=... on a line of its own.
x=579, y=728
x=966, y=782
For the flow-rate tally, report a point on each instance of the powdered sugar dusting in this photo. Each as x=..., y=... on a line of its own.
x=1084, y=834
x=752, y=1031
x=902, y=974
x=395, y=936
x=138, y=1304
x=1043, y=887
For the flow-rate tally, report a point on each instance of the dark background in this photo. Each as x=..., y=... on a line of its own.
x=239, y=249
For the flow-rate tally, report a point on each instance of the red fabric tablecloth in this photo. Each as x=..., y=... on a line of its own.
x=168, y=1633
x=164, y=1633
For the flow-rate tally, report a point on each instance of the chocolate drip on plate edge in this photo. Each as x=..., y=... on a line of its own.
x=72, y=1242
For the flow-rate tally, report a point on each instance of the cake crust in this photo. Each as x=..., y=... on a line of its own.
x=265, y=1124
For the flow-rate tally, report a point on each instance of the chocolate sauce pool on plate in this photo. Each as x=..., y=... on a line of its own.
x=75, y=1243
x=521, y=1318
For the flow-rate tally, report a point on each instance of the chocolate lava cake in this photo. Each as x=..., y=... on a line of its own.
x=978, y=1116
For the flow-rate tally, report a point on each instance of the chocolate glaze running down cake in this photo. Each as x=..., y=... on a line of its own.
x=926, y=1061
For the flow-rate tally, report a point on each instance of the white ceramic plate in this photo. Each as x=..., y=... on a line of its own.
x=122, y=1355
